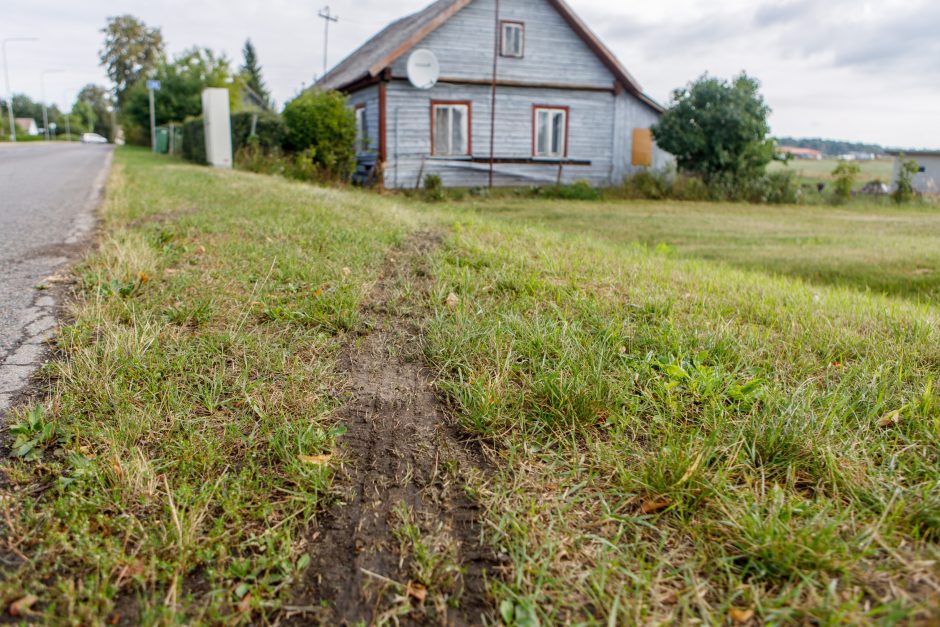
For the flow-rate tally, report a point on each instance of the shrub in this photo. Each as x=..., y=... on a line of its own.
x=904, y=192
x=780, y=188
x=270, y=131
x=688, y=187
x=320, y=125
x=648, y=185
x=433, y=188
x=579, y=190
x=845, y=175
x=194, y=141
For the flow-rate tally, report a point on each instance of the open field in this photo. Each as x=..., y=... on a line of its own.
x=809, y=171
x=880, y=248
x=282, y=402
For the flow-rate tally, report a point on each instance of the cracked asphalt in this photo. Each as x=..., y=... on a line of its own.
x=48, y=194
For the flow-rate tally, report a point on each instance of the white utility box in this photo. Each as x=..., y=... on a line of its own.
x=218, y=124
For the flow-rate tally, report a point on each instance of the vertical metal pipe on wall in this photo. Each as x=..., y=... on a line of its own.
x=496, y=35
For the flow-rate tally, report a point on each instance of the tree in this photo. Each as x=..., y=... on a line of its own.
x=321, y=125
x=180, y=95
x=845, y=175
x=718, y=129
x=131, y=51
x=904, y=190
x=250, y=73
x=101, y=103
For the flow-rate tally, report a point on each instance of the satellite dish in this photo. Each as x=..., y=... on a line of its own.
x=423, y=69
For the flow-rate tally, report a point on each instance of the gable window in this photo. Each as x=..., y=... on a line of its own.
x=550, y=128
x=362, y=129
x=450, y=129
x=512, y=40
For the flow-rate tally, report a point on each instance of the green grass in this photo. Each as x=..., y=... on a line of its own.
x=881, y=248
x=197, y=371
x=734, y=421
x=813, y=172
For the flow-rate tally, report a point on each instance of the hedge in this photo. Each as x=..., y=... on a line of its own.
x=269, y=131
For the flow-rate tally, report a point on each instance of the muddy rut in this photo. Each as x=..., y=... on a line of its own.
x=402, y=545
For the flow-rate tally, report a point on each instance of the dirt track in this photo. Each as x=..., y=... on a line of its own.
x=404, y=468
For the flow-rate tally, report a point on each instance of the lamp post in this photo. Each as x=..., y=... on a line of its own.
x=42, y=89
x=6, y=77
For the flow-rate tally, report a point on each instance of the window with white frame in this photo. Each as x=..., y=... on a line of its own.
x=551, y=132
x=512, y=42
x=450, y=131
x=362, y=129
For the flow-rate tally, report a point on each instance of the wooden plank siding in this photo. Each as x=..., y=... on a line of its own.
x=409, y=135
x=553, y=52
x=558, y=69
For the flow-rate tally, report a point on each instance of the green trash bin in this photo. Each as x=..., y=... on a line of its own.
x=163, y=139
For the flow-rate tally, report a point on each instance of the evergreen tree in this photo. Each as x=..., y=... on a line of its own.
x=251, y=74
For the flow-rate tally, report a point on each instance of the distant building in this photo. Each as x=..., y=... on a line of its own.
x=927, y=179
x=27, y=125
x=800, y=153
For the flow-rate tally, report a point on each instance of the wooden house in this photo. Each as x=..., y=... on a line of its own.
x=526, y=95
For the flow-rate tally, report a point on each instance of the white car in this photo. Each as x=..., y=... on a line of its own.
x=93, y=138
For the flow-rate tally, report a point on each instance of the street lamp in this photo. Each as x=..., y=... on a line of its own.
x=42, y=89
x=6, y=77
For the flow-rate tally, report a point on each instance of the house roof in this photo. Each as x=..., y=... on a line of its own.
x=396, y=39
x=914, y=153
x=24, y=121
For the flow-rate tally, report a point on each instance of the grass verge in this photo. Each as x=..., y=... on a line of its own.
x=171, y=472
x=680, y=441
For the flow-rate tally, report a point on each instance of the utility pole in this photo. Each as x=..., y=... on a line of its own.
x=327, y=18
x=153, y=86
x=6, y=76
x=42, y=89
x=68, y=114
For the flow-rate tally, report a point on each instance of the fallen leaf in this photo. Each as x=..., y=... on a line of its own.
x=345, y=271
x=244, y=606
x=452, y=301
x=891, y=418
x=654, y=505
x=316, y=459
x=417, y=591
x=21, y=605
x=142, y=277
x=740, y=616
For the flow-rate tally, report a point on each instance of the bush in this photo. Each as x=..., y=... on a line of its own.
x=845, y=175
x=433, y=188
x=647, y=185
x=780, y=188
x=194, y=141
x=270, y=131
x=904, y=192
x=690, y=188
x=579, y=190
x=320, y=125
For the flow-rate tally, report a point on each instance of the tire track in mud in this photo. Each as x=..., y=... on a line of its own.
x=403, y=477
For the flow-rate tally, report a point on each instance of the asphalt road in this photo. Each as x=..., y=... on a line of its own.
x=48, y=193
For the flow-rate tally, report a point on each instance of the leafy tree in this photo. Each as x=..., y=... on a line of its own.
x=846, y=173
x=26, y=107
x=180, y=95
x=101, y=104
x=904, y=191
x=250, y=74
x=718, y=129
x=321, y=125
x=83, y=117
x=131, y=51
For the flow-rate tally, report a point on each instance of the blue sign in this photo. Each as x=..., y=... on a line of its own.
x=154, y=85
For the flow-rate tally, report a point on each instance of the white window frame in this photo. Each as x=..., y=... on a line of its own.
x=548, y=114
x=442, y=146
x=505, y=28
x=362, y=129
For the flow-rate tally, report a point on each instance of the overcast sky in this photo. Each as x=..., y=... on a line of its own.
x=865, y=70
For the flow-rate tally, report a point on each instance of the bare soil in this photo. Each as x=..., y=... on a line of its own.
x=401, y=453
